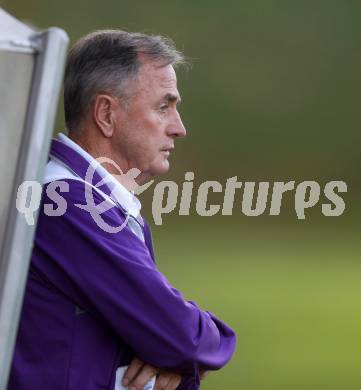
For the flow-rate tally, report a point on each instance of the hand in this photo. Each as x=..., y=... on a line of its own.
x=138, y=375
x=167, y=380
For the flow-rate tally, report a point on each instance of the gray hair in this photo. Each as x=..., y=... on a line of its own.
x=104, y=62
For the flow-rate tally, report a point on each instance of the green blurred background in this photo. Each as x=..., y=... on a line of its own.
x=273, y=94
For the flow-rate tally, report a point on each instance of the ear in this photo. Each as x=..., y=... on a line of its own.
x=104, y=113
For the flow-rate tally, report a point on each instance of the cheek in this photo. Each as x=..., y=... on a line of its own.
x=147, y=137
x=145, y=149
x=153, y=132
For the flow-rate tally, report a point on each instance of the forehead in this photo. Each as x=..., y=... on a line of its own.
x=155, y=80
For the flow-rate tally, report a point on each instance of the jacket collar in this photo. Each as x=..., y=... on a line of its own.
x=79, y=161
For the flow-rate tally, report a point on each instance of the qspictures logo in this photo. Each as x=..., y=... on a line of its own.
x=168, y=196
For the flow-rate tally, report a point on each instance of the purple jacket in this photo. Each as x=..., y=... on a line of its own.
x=94, y=300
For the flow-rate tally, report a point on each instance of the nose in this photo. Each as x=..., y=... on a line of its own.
x=176, y=127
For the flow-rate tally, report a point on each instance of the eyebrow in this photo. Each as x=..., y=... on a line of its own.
x=171, y=98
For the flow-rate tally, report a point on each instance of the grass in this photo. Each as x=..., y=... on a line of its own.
x=292, y=296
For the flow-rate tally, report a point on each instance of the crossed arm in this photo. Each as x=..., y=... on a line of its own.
x=114, y=276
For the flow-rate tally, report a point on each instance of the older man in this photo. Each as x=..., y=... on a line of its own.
x=97, y=313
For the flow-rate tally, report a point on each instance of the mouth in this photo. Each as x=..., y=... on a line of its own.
x=167, y=150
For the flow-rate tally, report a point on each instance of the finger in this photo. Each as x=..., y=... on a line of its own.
x=144, y=375
x=167, y=381
x=174, y=382
x=204, y=374
x=132, y=371
x=162, y=381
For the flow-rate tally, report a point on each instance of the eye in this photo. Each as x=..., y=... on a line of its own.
x=163, y=108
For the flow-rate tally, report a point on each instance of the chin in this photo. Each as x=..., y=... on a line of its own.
x=160, y=168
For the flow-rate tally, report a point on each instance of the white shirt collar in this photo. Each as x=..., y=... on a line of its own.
x=127, y=200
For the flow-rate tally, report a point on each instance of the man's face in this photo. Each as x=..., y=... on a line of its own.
x=147, y=127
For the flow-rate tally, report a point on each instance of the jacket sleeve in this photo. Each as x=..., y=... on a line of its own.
x=114, y=276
